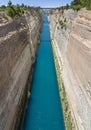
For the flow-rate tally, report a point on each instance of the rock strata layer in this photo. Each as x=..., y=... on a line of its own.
x=18, y=46
x=71, y=36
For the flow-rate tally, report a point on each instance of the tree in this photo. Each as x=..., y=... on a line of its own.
x=75, y=2
x=22, y=5
x=9, y=3
x=67, y=6
x=10, y=12
x=17, y=9
x=81, y=3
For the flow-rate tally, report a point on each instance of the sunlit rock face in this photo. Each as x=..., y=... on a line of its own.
x=71, y=34
x=18, y=46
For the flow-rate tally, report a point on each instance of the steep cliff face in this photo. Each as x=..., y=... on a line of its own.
x=18, y=45
x=71, y=36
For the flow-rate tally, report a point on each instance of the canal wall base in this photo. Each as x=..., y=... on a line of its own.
x=70, y=33
x=69, y=123
x=18, y=47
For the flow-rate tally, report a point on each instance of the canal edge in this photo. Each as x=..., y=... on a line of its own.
x=68, y=121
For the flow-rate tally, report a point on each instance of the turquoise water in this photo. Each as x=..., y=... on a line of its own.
x=44, y=108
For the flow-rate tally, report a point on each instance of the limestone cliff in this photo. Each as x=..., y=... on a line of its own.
x=18, y=45
x=71, y=37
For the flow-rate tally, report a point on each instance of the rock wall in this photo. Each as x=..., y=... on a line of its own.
x=71, y=37
x=18, y=46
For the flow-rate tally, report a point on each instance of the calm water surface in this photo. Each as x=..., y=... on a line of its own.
x=44, y=110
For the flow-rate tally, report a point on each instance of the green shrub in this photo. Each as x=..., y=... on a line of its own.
x=29, y=94
x=10, y=12
x=22, y=11
x=58, y=27
x=65, y=19
x=60, y=22
x=17, y=10
x=88, y=7
x=14, y=10
x=76, y=7
x=78, y=4
x=2, y=8
x=63, y=24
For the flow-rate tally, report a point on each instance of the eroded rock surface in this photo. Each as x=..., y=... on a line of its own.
x=71, y=36
x=18, y=46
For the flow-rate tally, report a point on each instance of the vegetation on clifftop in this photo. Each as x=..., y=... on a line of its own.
x=18, y=10
x=13, y=10
x=77, y=5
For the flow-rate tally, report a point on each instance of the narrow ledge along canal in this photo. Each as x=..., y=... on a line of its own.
x=44, y=110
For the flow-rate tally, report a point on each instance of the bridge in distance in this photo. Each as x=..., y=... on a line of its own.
x=46, y=9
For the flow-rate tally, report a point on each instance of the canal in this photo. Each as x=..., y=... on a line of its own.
x=44, y=110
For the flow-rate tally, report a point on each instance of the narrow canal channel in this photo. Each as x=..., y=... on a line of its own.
x=44, y=110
